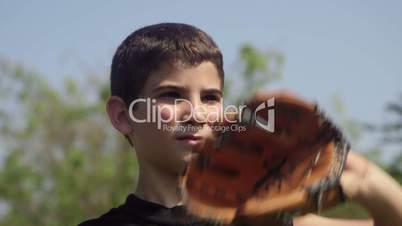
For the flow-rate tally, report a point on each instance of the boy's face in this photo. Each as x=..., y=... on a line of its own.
x=186, y=100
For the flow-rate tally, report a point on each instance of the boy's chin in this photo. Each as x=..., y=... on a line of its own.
x=188, y=155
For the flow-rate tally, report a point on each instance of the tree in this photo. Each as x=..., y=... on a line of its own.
x=63, y=162
x=392, y=136
x=257, y=70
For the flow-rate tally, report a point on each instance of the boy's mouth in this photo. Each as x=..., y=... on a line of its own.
x=189, y=139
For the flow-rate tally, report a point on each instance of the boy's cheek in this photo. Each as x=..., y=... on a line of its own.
x=165, y=113
x=214, y=115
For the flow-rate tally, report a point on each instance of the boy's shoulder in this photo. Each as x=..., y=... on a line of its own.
x=113, y=217
x=124, y=215
x=138, y=212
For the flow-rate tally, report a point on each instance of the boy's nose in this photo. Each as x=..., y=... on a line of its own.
x=196, y=112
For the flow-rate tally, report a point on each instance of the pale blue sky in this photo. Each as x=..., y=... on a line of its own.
x=351, y=48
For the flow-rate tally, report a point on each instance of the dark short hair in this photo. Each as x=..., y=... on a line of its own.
x=147, y=49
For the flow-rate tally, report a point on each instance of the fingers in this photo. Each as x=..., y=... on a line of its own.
x=354, y=175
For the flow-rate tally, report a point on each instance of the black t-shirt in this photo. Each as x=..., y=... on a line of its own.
x=139, y=212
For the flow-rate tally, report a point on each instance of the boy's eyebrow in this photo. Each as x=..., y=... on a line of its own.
x=162, y=87
x=167, y=87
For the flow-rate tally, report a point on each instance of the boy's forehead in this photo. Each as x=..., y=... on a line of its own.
x=203, y=75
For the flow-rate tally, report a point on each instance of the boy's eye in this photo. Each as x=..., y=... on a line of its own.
x=210, y=98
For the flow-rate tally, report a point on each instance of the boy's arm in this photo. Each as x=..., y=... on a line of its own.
x=370, y=186
x=367, y=184
x=315, y=220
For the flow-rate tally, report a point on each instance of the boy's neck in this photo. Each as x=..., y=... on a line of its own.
x=155, y=185
x=160, y=187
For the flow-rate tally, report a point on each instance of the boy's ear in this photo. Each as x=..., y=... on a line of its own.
x=118, y=115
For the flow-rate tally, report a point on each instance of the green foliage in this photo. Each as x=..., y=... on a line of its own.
x=395, y=168
x=351, y=127
x=64, y=162
x=391, y=133
x=349, y=210
x=258, y=69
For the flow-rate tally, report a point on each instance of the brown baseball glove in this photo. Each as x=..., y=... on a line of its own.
x=279, y=157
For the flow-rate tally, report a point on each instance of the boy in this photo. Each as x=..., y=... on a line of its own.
x=160, y=74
